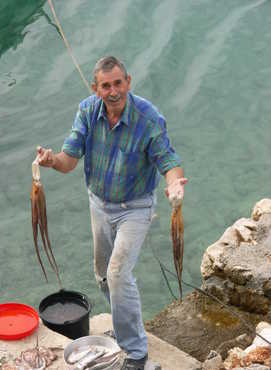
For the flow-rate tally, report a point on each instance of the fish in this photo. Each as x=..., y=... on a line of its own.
x=105, y=362
x=89, y=359
x=84, y=354
x=92, y=357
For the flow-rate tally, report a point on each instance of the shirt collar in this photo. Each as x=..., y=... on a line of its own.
x=125, y=114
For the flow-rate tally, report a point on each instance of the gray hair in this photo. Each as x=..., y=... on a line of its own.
x=106, y=64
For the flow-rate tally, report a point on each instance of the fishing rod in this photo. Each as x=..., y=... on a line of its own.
x=66, y=42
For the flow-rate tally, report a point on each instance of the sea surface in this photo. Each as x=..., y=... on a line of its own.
x=205, y=63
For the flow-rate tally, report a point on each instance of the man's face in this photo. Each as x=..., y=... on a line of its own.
x=112, y=87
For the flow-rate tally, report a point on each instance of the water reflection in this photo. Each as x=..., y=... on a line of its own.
x=15, y=15
x=205, y=64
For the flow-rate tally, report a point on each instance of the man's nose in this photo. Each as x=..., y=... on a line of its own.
x=113, y=91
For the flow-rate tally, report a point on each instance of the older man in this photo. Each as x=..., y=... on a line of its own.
x=124, y=142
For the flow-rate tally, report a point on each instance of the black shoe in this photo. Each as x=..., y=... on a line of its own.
x=110, y=333
x=131, y=364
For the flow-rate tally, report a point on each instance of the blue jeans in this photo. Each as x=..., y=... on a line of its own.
x=119, y=230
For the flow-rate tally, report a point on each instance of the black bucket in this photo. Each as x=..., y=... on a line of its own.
x=67, y=313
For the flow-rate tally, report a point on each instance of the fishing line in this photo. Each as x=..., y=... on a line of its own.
x=68, y=46
x=164, y=269
x=165, y=277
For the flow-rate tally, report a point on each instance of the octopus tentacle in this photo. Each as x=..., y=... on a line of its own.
x=177, y=229
x=39, y=222
x=40, y=206
x=47, y=237
x=35, y=236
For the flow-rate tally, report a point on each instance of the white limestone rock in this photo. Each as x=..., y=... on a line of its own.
x=237, y=267
x=260, y=208
x=264, y=329
x=256, y=356
x=253, y=367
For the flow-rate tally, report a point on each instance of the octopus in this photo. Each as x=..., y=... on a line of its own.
x=177, y=232
x=38, y=358
x=39, y=221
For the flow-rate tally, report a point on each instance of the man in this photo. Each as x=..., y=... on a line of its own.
x=125, y=146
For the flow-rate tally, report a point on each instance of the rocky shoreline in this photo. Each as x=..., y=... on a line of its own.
x=237, y=270
x=199, y=332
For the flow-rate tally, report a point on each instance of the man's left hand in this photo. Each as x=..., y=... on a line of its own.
x=175, y=191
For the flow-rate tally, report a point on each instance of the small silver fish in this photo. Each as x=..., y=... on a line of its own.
x=89, y=359
x=105, y=364
x=78, y=354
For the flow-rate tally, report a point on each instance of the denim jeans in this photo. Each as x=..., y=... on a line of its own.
x=119, y=230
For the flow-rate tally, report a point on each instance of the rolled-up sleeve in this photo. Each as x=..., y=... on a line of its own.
x=74, y=144
x=160, y=151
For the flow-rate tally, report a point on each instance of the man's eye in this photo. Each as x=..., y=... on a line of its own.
x=106, y=86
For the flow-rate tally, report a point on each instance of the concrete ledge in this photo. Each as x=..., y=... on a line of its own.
x=168, y=356
x=47, y=338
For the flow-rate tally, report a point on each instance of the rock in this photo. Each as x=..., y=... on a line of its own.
x=253, y=367
x=264, y=329
x=259, y=355
x=241, y=341
x=234, y=359
x=212, y=261
x=212, y=362
x=260, y=208
x=237, y=268
x=259, y=352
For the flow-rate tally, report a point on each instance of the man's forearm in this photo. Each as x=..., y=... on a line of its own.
x=173, y=174
x=63, y=162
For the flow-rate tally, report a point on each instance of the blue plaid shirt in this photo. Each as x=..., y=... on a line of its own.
x=122, y=163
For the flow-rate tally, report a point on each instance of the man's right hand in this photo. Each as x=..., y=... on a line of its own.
x=61, y=161
x=46, y=157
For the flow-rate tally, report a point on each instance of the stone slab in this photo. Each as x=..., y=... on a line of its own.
x=46, y=337
x=168, y=356
x=160, y=352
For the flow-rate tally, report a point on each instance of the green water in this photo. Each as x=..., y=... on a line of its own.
x=205, y=64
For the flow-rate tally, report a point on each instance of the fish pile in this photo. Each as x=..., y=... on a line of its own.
x=93, y=357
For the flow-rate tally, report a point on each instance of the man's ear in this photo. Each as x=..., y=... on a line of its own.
x=94, y=87
x=129, y=81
